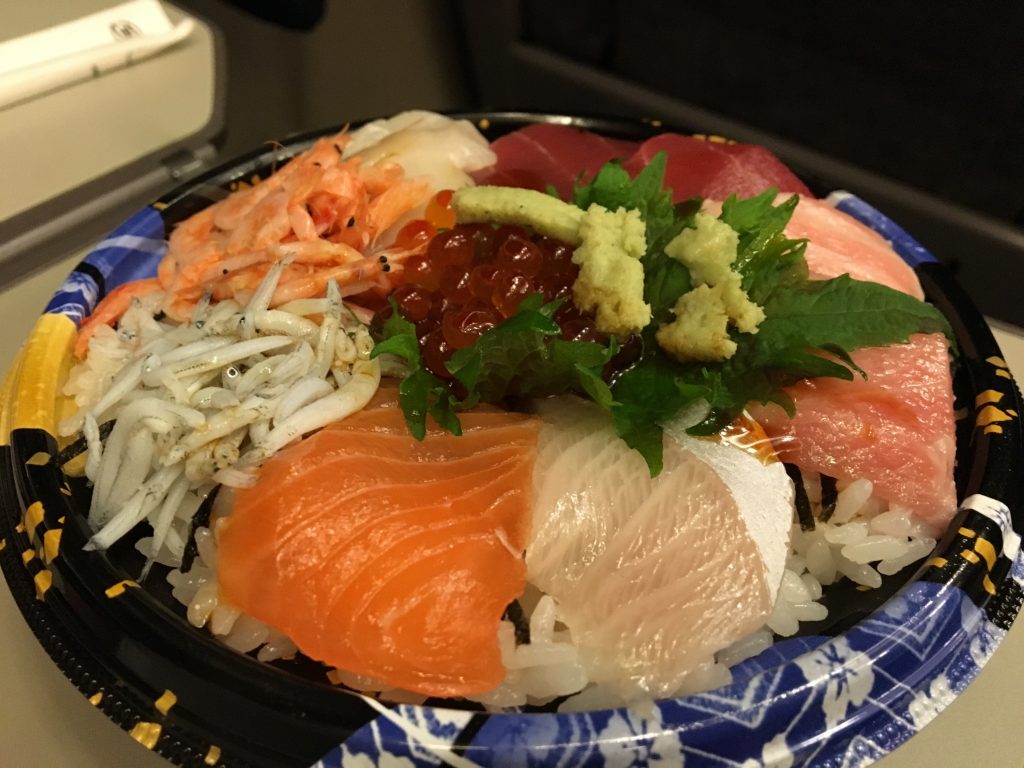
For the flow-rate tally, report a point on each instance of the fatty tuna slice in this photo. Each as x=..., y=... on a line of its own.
x=838, y=244
x=895, y=428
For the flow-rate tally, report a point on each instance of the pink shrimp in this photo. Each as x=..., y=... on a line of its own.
x=385, y=209
x=352, y=279
x=194, y=238
x=324, y=211
x=109, y=310
x=265, y=225
x=323, y=153
x=380, y=177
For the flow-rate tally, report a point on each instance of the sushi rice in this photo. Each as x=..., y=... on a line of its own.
x=864, y=540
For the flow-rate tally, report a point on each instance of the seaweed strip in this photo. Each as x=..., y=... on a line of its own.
x=514, y=613
x=200, y=518
x=803, y=504
x=79, y=446
x=829, y=496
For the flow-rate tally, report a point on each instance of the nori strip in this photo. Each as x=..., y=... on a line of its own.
x=829, y=495
x=79, y=446
x=803, y=504
x=514, y=613
x=200, y=518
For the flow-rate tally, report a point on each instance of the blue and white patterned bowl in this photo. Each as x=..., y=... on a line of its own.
x=883, y=666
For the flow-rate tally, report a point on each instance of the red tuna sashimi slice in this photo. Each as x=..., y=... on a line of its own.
x=385, y=556
x=538, y=155
x=895, y=429
x=839, y=244
x=715, y=169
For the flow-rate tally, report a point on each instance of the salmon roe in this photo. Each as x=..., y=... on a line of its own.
x=474, y=276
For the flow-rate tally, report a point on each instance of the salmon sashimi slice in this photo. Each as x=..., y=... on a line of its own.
x=387, y=557
x=653, y=576
x=895, y=429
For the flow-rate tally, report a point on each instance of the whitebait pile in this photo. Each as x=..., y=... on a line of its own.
x=206, y=402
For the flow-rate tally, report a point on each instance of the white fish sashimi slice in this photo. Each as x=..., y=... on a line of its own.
x=677, y=567
x=568, y=532
x=767, y=513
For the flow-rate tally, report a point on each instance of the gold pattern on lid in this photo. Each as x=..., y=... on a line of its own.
x=65, y=490
x=147, y=734
x=96, y=698
x=33, y=517
x=712, y=138
x=3, y=544
x=998, y=362
x=938, y=562
x=988, y=396
x=28, y=556
x=1004, y=373
x=165, y=702
x=993, y=429
x=118, y=589
x=484, y=123
x=970, y=557
x=39, y=459
x=864, y=588
x=984, y=548
x=61, y=519
x=656, y=123
x=51, y=545
x=43, y=580
x=20, y=527
x=75, y=467
x=1012, y=413
x=967, y=532
x=158, y=206
x=334, y=676
x=988, y=585
x=213, y=755
x=990, y=414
